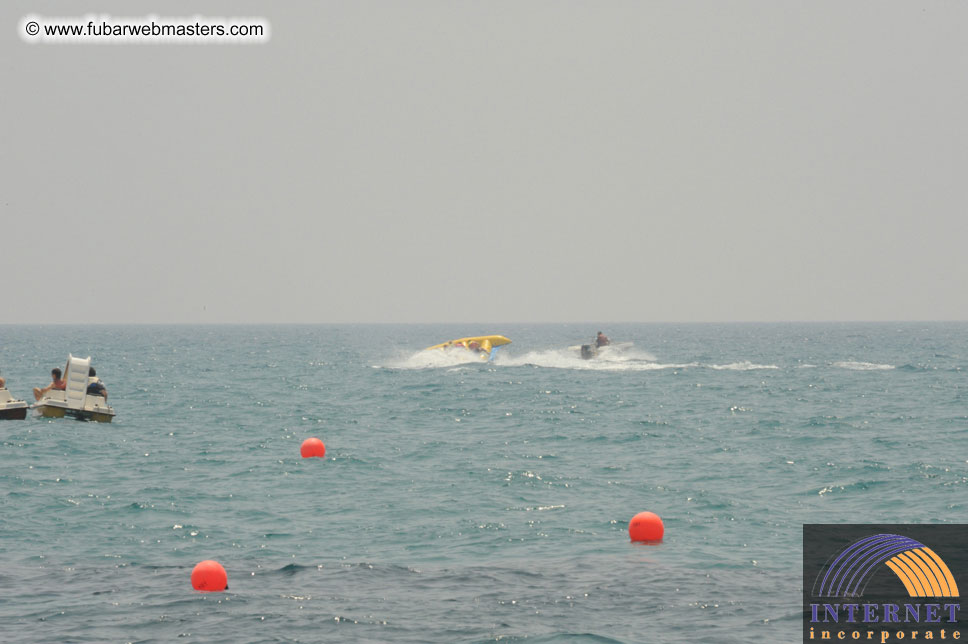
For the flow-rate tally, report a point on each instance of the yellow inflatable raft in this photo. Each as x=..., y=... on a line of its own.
x=483, y=344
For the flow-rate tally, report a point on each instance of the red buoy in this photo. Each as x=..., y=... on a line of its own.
x=209, y=576
x=646, y=526
x=312, y=447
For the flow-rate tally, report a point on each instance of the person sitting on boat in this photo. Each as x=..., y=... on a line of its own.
x=3, y=383
x=602, y=340
x=94, y=385
x=56, y=383
x=474, y=345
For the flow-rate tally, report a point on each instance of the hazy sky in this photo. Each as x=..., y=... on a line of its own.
x=491, y=161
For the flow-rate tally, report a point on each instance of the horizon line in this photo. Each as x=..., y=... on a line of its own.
x=542, y=322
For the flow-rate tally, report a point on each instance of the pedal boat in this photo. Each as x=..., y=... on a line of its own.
x=74, y=402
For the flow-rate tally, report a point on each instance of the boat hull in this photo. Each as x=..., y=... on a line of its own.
x=15, y=413
x=50, y=411
x=10, y=407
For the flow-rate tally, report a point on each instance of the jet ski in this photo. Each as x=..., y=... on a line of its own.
x=590, y=351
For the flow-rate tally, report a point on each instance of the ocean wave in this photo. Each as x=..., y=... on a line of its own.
x=625, y=360
x=847, y=488
x=569, y=358
x=746, y=365
x=436, y=359
x=565, y=358
x=862, y=366
x=927, y=367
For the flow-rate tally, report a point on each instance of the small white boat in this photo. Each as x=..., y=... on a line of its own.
x=74, y=401
x=10, y=407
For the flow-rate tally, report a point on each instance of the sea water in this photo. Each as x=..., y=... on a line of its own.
x=462, y=501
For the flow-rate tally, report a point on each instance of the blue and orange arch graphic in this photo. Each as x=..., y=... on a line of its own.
x=922, y=572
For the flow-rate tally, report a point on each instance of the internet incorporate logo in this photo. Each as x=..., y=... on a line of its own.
x=884, y=583
x=919, y=568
